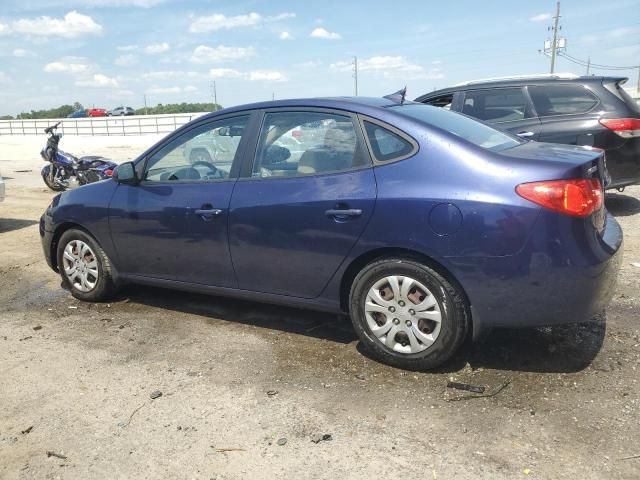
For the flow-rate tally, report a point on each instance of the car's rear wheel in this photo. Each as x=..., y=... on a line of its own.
x=408, y=315
x=84, y=267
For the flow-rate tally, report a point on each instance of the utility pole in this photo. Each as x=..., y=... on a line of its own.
x=215, y=97
x=355, y=75
x=588, y=65
x=146, y=112
x=638, y=85
x=273, y=96
x=554, y=44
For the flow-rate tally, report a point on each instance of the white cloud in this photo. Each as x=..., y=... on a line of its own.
x=164, y=90
x=123, y=93
x=323, y=33
x=70, y=65
x=190, y=88
x=73, y=25
x=4, y=28
x=156, y=48
x=126, y=60
x=541, y=17
x=285, y=36
x=205, y=54
x=167, y=74
x=22, y=53
x=218, y=21
x=215, y=73
x=267, y=76
x=98, y=80
x=128, y=48
x=390, y=67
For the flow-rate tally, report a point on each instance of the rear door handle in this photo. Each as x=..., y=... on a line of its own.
x=208, y=213
x=347, y=212
x=526, y=134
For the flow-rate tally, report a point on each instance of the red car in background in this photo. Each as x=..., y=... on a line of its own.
x=96, y=112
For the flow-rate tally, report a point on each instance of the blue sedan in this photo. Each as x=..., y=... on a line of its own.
x=425, y=225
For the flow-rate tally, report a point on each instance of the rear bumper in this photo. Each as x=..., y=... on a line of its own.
x=623, y=163
x=563, y=275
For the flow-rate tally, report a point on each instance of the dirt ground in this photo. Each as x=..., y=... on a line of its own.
x=238, y=377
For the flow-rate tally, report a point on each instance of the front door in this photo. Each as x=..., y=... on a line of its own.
x=173, y=225
x=505, y=108
x=303, y=204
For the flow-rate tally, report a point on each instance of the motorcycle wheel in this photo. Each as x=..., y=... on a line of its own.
x=53, y=186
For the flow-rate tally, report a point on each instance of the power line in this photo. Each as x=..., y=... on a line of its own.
x=599, y=66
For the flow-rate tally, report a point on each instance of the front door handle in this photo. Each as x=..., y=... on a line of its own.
x=347, y=212
x=526, y=134
x=208, y=213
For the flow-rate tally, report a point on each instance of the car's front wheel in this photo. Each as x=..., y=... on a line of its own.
x=408, y=315
x=84, y=267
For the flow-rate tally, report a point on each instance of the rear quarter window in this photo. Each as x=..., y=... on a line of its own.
x=550, y=100
x=387, y=145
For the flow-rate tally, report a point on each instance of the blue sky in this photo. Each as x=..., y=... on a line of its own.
x=111, y=52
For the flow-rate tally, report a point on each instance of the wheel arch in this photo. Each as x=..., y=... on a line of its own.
x=366, y=258
x=57, y=234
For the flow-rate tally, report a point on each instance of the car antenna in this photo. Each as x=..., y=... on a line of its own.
x=398, y=96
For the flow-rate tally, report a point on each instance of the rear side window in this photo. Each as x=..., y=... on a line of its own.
x=495, y=105
x=443, y=101
x=562, y=99
x=385, y=144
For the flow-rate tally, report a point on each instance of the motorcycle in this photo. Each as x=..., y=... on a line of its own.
x=65, y=171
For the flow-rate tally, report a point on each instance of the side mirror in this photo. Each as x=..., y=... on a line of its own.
x=126, y=173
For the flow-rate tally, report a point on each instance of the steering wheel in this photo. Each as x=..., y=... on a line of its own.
x=214, y=170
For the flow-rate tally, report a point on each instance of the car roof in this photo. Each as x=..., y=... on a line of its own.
x=518, y=82
x=354, y=104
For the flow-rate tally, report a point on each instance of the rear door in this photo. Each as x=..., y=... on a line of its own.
x=302, y=204
x=568, y=113
x=507, y=108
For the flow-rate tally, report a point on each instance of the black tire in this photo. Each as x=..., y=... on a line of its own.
x=451, y=301
x=53, y=186
x=105, y=286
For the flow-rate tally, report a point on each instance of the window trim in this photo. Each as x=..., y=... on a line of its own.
x=237, y=159
x=392, y=129
x=246, y=170
x=578, y=85
x=528, y=103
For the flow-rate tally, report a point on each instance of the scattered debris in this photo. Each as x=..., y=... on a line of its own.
x=526, y=471
x=73, y=307
x=22, y=171
x=125, y=424
x=26, y=338
x=631, y=457
x=317, y=438
x=223, y=450
x=495, y=392
x=155, y=394
x=37, y=327
x=282, y=441
x=272, y=393
x=635, y=264
x=121, y=327
x=27, y=430
x=360, y=376
x=466, y=386
x=54, y=454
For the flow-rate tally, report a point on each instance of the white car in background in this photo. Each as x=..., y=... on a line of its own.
x=1, y=188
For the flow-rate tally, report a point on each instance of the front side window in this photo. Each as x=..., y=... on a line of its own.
x=552, y=100
x=464, y=127
x=203, y=154
x=495, y=105
x=307, y=143
x=387, y=145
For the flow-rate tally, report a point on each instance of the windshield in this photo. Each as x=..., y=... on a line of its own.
x=464, y=127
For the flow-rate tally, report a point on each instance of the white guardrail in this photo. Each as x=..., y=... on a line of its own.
x=130, y=125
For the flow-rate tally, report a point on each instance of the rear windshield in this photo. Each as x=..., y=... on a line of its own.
x=464, y=127
x=621, y=93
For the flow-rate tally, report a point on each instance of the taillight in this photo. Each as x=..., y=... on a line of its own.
x=108, y=172
x=625, y=127
x=577, y=197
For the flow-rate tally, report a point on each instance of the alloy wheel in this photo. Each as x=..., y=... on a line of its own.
x=80, y=265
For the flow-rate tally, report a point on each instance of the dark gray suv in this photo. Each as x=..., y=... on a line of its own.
x=592, y=111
